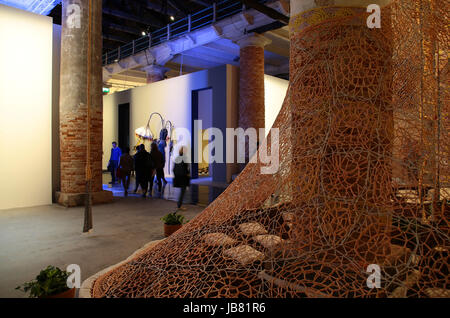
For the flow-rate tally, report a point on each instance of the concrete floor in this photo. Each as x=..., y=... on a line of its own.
x=33, y=238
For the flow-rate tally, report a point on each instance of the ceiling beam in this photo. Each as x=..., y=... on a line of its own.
x=233, y=52
x=178, y=7
x=159, y=8
x=131, y=17
x=283, y=32
x=231, y=48
x=186, y=68
x=127, y=78
x=134, y=73
x=123, y=28
x=109, y=45
x=209, y=58
x=195, y=62
x=268, y=27
x=115, y=38
x=271, y=13
x=203, y=3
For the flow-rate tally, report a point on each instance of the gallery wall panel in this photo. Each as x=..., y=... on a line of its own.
x=25, y=108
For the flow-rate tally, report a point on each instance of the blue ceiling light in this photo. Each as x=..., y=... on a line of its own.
x=43, y=7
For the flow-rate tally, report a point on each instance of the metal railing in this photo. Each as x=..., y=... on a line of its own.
x=218, y=11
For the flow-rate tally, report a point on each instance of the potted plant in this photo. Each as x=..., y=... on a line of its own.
x=50, y=283
x=172, y=222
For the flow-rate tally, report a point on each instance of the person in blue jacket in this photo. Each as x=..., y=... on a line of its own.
x=116, y=153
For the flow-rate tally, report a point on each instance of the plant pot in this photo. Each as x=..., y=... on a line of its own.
x=170, y=229
x=70, y=293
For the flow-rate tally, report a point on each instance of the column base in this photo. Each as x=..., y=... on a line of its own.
x=77, y=199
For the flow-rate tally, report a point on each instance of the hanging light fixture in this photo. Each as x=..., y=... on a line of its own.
x=145, y=132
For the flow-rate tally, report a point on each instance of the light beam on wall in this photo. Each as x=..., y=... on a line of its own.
x=43, y=7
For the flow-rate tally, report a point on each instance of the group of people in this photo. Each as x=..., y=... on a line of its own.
x=147, y=165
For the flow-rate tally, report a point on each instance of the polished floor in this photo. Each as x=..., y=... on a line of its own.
x=202, y=191
x=33, y=238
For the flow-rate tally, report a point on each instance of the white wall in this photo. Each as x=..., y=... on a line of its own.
x=172, y=98
x=275, y=92
x=25, y=108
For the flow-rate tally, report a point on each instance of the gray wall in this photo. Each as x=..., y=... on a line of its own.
x=217, y=78
x=173, y=99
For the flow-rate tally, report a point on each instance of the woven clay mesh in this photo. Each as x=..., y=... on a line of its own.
x=363, y=176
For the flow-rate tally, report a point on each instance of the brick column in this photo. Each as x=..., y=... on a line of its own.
x=251, y=83
x=155, y=73
x=343, y=121
x=73, y=103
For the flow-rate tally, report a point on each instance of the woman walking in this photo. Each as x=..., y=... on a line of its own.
x=158, y=164
x=182, y=178
x=126, y=166
x=143, y=167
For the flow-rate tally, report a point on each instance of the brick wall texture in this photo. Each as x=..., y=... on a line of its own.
x=73, y=102
x=251, y=88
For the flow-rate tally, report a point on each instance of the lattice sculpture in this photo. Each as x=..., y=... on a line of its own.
x=363, y=178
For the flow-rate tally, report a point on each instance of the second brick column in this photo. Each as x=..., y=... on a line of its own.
x=251, y=83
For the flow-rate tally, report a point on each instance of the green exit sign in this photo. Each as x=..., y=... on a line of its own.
x=106, y=90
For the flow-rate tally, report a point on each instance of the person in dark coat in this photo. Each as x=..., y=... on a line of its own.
x=158, y=165
x=181, y=175
x=143, y=167
x=126, y=166
x=162, y=148
x=138, y=148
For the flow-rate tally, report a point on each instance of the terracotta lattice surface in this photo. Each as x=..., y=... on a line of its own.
x=363, y=177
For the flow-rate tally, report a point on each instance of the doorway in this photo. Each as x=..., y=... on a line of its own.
x=124, y=126
x=202, y=108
